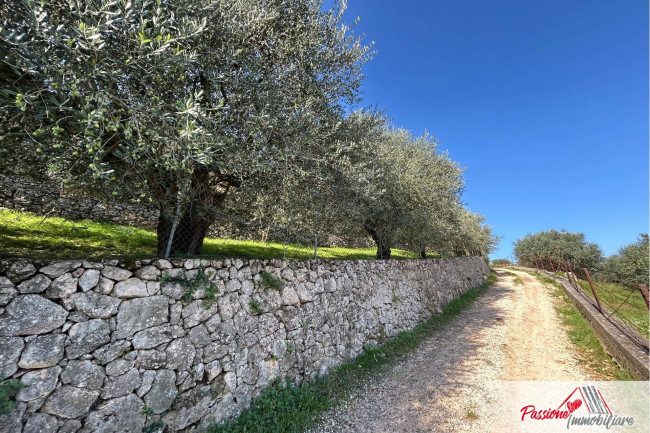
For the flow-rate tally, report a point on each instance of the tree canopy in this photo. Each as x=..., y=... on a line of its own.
x=217, y=111
x=558, y=246
x=174, y=102
x=630, y=264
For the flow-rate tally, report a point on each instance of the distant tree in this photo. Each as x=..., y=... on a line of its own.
x=173, y=102
x=558, y=245
x=630, y=264
x=501, y=263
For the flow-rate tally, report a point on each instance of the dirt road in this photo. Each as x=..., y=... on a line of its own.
x=449, y=384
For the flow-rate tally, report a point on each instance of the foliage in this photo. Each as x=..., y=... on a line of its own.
x=255, y=307
x=8, y=389
x=222, y=111
x=176, y=102
x=293, y=408
x=470, y=234
x=497, y=263
x=154, y=427
x=395, y=299
x=399, y=189
x=200, y=281
x=558, y=245
x=146, y=411
x=630, y=264
x=271, y=282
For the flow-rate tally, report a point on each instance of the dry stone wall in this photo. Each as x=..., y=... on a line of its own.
x=106, y=347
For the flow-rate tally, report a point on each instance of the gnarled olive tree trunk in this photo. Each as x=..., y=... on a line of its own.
x=382, y=242
x=198, y=206
x=191, y=230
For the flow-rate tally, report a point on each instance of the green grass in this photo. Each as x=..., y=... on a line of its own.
x=288, y=408
x=592, y=355
x=633, y=312
x=517, y=281
x=28, y=235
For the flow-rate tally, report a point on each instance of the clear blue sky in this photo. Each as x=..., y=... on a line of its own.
x=544, y=102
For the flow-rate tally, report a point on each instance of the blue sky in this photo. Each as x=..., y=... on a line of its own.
x=544, y=102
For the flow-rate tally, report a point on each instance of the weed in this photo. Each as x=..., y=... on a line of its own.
x=158, y=425
x=518, y=281
x=146, y=411
x=471, y=414
x=396, y=298
x=198, y=282
x=8, y=389
x=271, y=282
x=255, y=307
x=290, y=348
x=167, y=278
x=283, y=407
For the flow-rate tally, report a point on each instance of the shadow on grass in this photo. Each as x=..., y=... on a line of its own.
x=24, y=234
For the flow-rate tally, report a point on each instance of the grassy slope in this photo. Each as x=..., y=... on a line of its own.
x=294, y=408
x=633, y=310
x=28, y=235
x=591, y=353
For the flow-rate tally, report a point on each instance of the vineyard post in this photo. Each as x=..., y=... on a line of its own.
x=593, y=289
x=644, y=291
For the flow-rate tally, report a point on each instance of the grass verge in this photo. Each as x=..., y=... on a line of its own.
x=590, y=353
x=24, y=234
x=288, y=408
x=627, y=303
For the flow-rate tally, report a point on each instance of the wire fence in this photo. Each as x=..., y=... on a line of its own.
x=626, y=305
x=39, y=221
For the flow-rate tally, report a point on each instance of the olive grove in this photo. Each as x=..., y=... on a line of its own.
x=217, y=111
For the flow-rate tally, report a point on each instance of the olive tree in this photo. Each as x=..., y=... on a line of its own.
x=471, y=235
x=558, y=245
x=173, y=102
x=396, y=187
x=630, y=264
x=433, y=184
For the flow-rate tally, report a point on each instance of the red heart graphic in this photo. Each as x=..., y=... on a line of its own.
x=573, y=406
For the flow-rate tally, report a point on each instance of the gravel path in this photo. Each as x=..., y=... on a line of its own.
x=450, y=383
